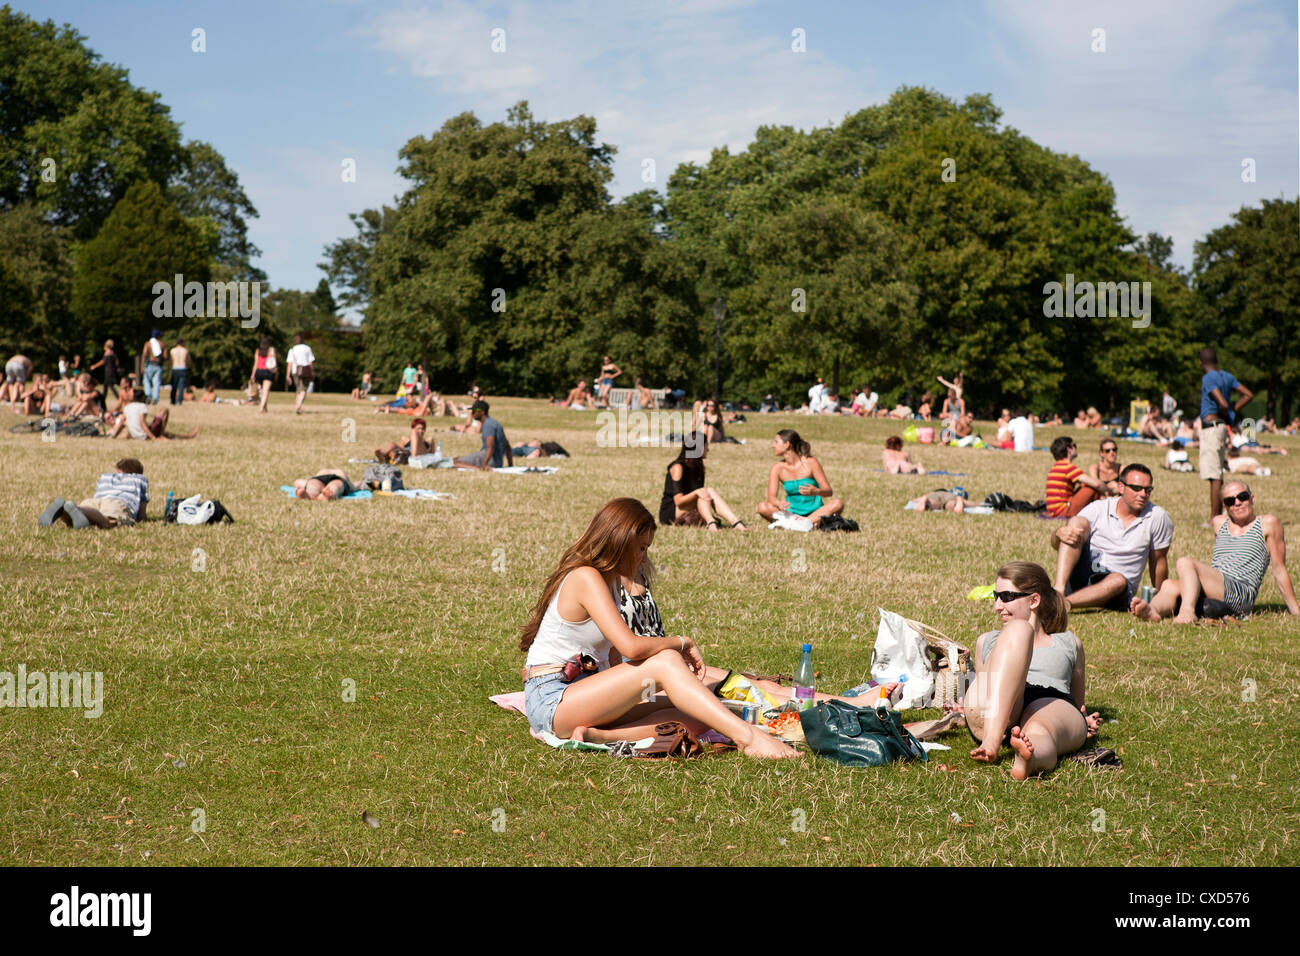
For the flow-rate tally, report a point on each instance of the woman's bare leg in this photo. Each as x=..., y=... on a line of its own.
x=265, y=389
x=831, y=507
x=996, y=697
x=606, y=697
x=1050, y=728
x=722, y=507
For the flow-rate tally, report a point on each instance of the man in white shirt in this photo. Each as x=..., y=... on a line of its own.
x=1102, y=551
x=1022, y=431
x=815, y=397
x=301, y=369
x=136, y=423
x=151, y=357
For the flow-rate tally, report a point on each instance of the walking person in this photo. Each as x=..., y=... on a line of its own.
x=301, y=369
x=110, y=363
x=1217, y=413
x=180, y=357
x=264, y=371
x=151, y=358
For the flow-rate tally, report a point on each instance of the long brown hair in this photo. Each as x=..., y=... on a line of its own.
x=797, y=444
x=605, y=546
x=1053, y=613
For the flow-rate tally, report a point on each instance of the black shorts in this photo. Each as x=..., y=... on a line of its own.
x=326, y=479
x=1207, y=607
x=264, y=375
x=1033, y=692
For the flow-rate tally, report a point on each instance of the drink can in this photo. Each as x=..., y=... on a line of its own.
x=1148, y=592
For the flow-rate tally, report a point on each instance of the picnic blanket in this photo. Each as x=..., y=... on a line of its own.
x=424, y=493
x=361, y=494
x=526, y=470
x=515, y=701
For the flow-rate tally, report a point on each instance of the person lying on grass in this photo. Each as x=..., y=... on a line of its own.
x=576, y=622
x=119, y=501
x=940, y=500
x=1030, y=677
x=800, y=476
x=686, y=499
x=135, y=421
x=1244, y=544
x=536, y=448
x=329, y=484
x=897, y=461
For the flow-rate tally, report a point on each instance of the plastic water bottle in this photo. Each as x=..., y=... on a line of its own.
x=169, y=512
x=437, y=449
x=805, y=684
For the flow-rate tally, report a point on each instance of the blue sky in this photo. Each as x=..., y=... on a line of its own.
x=287, y=89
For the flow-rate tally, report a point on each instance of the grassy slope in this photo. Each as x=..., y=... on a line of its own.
x=237, y=670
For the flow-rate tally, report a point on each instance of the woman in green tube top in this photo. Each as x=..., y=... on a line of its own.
x=799, y=476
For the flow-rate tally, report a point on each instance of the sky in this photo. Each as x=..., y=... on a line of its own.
x=1183, y=93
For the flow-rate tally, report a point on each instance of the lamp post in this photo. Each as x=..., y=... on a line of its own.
x=719, y=313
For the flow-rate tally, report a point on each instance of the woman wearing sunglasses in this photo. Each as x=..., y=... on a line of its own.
x=1030, y=677
x=1107, y=470
x=1244, y=545
x=570, y=680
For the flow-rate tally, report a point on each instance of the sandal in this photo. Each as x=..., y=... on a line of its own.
x=741, y=525
x=1097, y=757
x=713, y=525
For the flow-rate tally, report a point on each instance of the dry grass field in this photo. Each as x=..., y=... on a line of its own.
x=225, y=737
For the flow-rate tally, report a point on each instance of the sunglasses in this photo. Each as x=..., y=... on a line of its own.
x=1006, y=597
x=1230, y=500
x=1107, y=451
x=1138, y=488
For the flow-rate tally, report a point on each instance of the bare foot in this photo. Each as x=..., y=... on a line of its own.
x=1139, y=608
x=985, y=753
x=1024, y=749
x=765, y=746
x=1181, y=618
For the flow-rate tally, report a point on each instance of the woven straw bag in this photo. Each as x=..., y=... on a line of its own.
x=942, y=651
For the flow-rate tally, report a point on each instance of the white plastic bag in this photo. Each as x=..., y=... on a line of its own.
x=194, y=510
x=899, y=655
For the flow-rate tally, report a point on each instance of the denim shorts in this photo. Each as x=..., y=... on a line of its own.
x=542, y=697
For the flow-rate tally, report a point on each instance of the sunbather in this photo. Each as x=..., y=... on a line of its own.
x=940, y=500
x=595, y=692
x=539, y=449
x=897, y=461
x=328, y=484
x=800, y=477
x=399, y=453
x=87, y=399
x=1030, y=677
x=1244, y=545
x=686, y=499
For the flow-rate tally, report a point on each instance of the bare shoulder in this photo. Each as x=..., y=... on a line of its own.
x=1217, y=522
x=1271, y=524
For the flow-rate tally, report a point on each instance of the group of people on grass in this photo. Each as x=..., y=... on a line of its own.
x=595, y=642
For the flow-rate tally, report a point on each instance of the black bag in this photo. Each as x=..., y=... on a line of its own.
x=1000, y=502
x=858, y=736
x=838, y=523
x=376, y=475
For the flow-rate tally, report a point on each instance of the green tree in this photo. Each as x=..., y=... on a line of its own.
x=76, y=133
x=36, y=257
x=145, y=240
x=206, y=189
x=1247, y=274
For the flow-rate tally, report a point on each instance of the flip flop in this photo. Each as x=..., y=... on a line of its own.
x=1097, y=757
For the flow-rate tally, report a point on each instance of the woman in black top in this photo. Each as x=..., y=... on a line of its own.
x=687, y=500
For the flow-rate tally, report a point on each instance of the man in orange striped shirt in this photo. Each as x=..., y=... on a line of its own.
x=1068, y=488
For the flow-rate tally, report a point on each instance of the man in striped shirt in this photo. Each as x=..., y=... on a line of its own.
x=119, y=501
x=1068, y=488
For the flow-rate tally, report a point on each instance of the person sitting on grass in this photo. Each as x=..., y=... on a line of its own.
x=1244, y=545
x=539, y=449
x=897, y=461
x=1030, y=677
x=328, y=484
x=1107, y=470
x=800, y=476
x=399, y=453
x=362, y=392
x=1155, y=425
x=136, y=423
x=495, y=447
x=1093, y=418
x=1068, y=488
x=940, y=500
x=38, y=396
x=1102, y=551
x=119, y=501
x=571, y=680
x=87, y=399
x=686, y=500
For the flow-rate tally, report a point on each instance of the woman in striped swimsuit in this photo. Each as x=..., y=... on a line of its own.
x=1244, y=545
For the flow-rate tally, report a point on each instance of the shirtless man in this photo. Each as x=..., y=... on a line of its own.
x=17, y=371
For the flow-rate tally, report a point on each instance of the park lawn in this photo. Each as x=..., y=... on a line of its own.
x=225, y=651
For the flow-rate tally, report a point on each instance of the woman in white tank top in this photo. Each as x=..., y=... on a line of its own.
x=614, y=676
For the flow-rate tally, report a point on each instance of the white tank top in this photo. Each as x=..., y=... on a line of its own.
x=558, y=640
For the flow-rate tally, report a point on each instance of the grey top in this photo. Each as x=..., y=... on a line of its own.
x=1050, y=666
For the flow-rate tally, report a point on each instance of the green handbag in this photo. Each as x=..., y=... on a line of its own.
x=858, y=736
